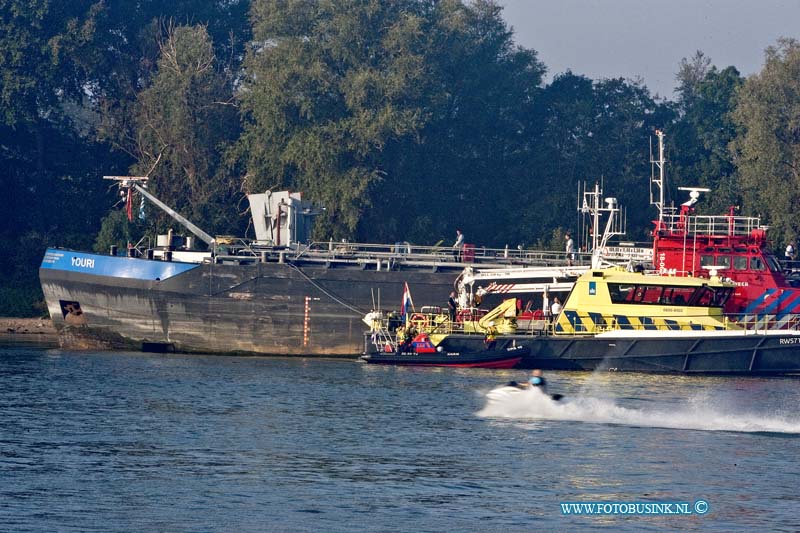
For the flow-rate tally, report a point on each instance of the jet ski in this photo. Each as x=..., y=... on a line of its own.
x=512, y=390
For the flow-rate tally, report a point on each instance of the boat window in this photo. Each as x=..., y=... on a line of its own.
x=702, y=297
x=620, y=293
x=676, y=295
x=706, y=260
x=757, y=264
x=649, y=294
x=740, y=262
x=624, y=294
x=724, y=250
x=773, y=263
x=710, y=297
x=724, y=261
x=721, y=296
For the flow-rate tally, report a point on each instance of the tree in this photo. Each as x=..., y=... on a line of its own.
x=396, y=131
x=45, y=157
x=327, y=86
x=767, y=153
x=181, y=125
x=699, y=139
x=587, y=132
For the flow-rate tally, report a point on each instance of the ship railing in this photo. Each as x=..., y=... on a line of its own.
x=790, y=267
x=408, y=253
x=766, y=322
x=584, y=324
x=388, y=256
x=712, y=225
x=433, y=320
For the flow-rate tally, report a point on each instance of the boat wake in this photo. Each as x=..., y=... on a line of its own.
x=506, y=402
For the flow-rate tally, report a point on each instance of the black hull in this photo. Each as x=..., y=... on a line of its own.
x=256, y=308
x=742, y=354
x=504, y=358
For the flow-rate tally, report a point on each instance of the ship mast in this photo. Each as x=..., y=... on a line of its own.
x=615, y=224
x=658, y=181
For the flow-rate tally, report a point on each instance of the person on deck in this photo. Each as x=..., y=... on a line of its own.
x=452, y=306
x=458, y=246
x=570, y=249
x=491, y=337
x=407, y=336
x=555, y=309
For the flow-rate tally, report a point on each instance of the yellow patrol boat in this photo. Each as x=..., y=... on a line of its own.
x=614, y=319
x=615, y=299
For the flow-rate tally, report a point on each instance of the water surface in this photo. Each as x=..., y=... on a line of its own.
x=130, y=441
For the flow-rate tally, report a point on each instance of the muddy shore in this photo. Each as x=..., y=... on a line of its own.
x=26, y=326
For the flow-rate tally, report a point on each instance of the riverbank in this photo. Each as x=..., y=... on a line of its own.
x=26, y=326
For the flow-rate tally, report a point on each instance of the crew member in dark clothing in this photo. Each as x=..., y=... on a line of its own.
x=452, y=306
x=405, y=346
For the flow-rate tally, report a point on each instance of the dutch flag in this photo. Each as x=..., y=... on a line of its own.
x=408, y=303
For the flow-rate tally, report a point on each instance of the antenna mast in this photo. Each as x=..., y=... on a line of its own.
x=658, y=181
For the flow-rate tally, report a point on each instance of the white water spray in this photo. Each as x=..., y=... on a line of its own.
x=698, y=413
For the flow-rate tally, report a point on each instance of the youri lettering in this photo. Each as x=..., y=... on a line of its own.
x=83, y=262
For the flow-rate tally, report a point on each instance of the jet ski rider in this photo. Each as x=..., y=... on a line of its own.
x=537, y=381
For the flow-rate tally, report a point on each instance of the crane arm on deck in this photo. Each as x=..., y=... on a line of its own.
x=133, y=182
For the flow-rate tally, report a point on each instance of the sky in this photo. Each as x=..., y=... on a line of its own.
x=646, y=38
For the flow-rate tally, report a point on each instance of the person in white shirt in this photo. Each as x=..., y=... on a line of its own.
x=458, y=246
x=570, y=249
x=555, y=309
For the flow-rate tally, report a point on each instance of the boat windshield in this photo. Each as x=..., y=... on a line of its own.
x=773, y=263
x=642, y=294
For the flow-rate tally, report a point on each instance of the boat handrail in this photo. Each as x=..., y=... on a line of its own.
x=719, y=225
x=409, y=252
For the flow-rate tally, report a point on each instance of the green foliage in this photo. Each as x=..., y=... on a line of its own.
x=179, y=128
x=768, y=150
x=116, y=230
x=402, y=131
x=42, y=45
x=699, y=139
x=584, y=131
x=20, y=292
x=328, y=86
x=22, y=301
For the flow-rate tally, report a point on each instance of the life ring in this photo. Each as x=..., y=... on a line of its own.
x=418, y=321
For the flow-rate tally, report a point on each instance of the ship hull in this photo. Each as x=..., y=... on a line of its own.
x=505, y=358
x=98, y=301
x=716, y=353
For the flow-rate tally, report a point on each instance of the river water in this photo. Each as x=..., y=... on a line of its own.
x=94, y=441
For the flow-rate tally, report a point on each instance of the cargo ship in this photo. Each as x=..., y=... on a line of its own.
x=279, y=294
